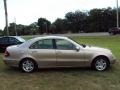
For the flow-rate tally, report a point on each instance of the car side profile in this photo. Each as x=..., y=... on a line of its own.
x=57, y=51
x=8, y=41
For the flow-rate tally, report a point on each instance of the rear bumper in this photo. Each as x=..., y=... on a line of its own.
x=11, y=63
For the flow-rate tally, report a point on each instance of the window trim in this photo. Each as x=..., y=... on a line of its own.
x=63, y=49
x=42, y=48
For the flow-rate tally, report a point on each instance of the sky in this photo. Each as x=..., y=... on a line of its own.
x=28, y=11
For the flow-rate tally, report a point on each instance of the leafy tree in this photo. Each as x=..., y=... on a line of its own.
x=100, y=20
x=44, y=25
x=59, y=25
x=34, y=28
x=76, y=21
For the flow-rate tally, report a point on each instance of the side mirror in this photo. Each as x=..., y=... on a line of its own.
x=77, y=48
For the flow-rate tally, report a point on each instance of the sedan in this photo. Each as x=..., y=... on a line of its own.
x=8, y=41
x=57, y=51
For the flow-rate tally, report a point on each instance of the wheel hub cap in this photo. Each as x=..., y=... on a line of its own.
x=100, y=64
x=28, y=66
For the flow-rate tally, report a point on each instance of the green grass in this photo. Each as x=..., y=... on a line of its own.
x=66, y=79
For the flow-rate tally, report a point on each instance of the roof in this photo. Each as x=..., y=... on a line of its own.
x=47, y=37
x=27, y=43
x=9, y=36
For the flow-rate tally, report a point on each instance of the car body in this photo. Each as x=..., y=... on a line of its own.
x=8, y=41
x=56, y=51
x=114, y=31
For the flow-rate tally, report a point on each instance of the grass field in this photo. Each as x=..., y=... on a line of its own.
x=66, y=79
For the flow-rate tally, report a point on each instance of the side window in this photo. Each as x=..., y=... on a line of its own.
x=4, y=40
x=42, y=44
x=13, y=40
x=64, y=44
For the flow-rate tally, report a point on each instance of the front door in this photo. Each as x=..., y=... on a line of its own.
x=67, y=55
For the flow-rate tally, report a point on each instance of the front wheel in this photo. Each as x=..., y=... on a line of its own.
x=28, y=65
x=101, y=64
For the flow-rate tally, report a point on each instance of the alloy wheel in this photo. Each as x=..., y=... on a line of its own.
x=28, y=65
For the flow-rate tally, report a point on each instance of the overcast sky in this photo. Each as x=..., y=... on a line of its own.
x=28, y=11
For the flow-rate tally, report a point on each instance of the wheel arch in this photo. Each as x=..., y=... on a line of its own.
x=28, y=58
x=93, y=60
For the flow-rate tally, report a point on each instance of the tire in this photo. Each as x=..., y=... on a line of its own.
x=101, y=64
x=28, y=65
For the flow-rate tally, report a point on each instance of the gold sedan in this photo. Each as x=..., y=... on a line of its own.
x=57, y=51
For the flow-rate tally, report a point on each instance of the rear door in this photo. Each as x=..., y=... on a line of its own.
x=43, y=51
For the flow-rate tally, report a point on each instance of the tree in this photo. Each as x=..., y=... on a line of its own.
x=76, y=21
x=100, y=20
x=60, y=25
x=44, y=25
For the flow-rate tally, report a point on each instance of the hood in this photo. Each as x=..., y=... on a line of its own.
x=97, y=49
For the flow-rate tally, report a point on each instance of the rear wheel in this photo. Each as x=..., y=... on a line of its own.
x=101, y=64
x=28, y=65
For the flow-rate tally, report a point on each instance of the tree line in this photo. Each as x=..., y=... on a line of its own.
x=95, y=20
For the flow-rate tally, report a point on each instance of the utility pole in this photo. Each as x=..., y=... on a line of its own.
x=117, y=15
x=6, y=16
x=15, y=27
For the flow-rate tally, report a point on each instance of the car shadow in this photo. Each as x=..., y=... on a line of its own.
x=58, y=70
x=64, y=69
x=46, y=70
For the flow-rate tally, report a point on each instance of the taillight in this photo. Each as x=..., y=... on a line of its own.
x=6, y=54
